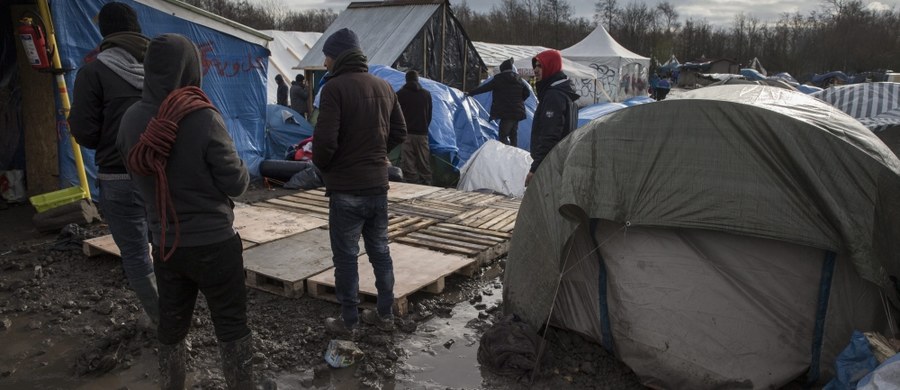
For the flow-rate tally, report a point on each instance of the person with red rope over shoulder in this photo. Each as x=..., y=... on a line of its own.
x=186, y=168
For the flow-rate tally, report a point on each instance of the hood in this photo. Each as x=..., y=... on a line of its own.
x=551, y=62
x=412, y=85
x=172, y=62
x=558, y=81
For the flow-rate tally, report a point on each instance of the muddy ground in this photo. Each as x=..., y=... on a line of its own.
x=69, y=321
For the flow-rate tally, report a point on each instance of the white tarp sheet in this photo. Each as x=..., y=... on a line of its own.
x=496, y=167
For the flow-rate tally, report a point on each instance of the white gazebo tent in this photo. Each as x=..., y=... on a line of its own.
x=621, y=73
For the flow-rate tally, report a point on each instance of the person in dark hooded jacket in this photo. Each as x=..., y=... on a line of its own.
x=300, y=96
x=281, y=95
x=186, y=166
x=556, y=114
x=104, y=89
x=509, y=93
x=415, y=159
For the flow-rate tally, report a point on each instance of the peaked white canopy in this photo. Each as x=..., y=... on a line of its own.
x=622, y=73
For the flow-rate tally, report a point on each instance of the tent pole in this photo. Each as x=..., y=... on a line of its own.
x=465, y=67
x=425, y=54
x=443, y=37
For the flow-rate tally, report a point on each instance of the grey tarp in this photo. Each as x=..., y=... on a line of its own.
x=747, y=160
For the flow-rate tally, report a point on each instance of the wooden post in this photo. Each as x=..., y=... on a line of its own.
x=443, y=37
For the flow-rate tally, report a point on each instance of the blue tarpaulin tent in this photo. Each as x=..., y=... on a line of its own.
x=234, y=62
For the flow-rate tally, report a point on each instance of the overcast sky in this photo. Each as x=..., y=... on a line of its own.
x=718, y=12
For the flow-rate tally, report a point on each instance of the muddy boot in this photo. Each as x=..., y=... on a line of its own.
x=237, y=364
x=145, y=288
x=171, y=366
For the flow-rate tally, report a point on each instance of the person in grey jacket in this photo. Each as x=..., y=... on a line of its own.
x=104, y=89
x=186, y=166
x=299, y=95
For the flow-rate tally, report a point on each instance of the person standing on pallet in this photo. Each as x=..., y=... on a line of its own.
x=185, y=165
x=104, y=89
x=360, y=120
x=508, y=95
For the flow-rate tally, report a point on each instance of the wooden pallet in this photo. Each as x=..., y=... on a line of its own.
x=401, y=225
x=437, y=210
x=488, y=218
x=507, y=203
x=482, y=245
x=104, y=245
x=400, y=192
x=450, y=195
x=312, y=202
x=415, y=269
x=281, y=267
x=261, y=224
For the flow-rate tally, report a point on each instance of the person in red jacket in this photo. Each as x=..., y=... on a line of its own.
x=556, y=115
x=359, y=121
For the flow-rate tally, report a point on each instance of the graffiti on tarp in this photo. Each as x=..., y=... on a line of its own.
x=229, y=67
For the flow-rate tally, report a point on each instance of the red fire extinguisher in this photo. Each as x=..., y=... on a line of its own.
x=32, y=37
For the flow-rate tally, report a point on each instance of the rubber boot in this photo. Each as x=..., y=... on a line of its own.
x=172, y=366
x=237, y=363
x=145, y=288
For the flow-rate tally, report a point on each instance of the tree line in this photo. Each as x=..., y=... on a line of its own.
x=846, y=35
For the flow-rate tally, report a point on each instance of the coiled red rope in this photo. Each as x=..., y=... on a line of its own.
x=150, y=155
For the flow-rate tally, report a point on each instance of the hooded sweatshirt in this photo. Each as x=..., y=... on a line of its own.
x=203, y=167
x=415, y=102
x=556, y=115
x=509, y=93
x=103, y=90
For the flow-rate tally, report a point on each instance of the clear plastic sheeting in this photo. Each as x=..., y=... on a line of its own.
x=458, y=126
x=234, y=71
x=496, y=167
x=772, y=166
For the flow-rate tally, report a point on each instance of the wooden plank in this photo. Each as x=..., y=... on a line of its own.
x=430, y=243
x=444, y=239
x=435, y=210
x=415, y=269
x=451, y=238
x=461, y=234
x=313, y=200
x=281, y=266
x=399, y=191
x=493, y=233
x=260, y=224
x=101, y=245
x=480, y=244
x=300, y=207
x=402, y=225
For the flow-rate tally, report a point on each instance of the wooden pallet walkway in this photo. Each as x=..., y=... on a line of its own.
x=464, y=198
x=400, y=192
x=312, y=202
x=415, y=269
x=481, y=245
x=281, y=267
x=488, y=218
x=437, y=210
x=401, y=225
x=507, y=203
x=104, y=245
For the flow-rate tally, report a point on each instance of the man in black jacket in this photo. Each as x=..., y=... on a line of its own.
x=104, y=89
x=415, y=159
x=556, y=114
x=359, y=121
x=507, y=101
x=299, y=95
x=281, y=95
x=185, y=165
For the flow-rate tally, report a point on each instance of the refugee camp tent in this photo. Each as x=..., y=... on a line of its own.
x=287, y=49
x=420, y=35
x=621, y=73
x=757, y=66
x=234, y=60
x=712, y=241
x=875, y=105
x=493, y=54
x=670, y=66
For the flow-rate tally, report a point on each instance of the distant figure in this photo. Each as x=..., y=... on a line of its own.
x=415, y=159
x=282, y=94
x=300, y=96
x=507, y=101
x=185, y=165
x=359, y=121
x=662, y=89
x=556, y=115
x=104, y=89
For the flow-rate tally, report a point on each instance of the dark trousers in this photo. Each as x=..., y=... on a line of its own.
x=348, y=217
x=216, y=270
x=509, y=129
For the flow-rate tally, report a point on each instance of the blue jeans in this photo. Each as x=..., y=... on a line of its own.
x=350, y=216
x=123, y=210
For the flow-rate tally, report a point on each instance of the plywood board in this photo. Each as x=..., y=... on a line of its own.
x=405, y=191
x=281, y=266
x=260, y=224
x=415, y=269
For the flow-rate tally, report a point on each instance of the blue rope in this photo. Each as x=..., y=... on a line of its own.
x=818, y=335
x=605, y=327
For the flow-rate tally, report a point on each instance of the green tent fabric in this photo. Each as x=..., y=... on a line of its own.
x=755, y=161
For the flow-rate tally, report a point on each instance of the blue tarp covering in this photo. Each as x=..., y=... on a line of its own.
x=633, y=101
x=595, y=111
x=284, y=128
x=752, y=74
x=234, y=75
x=458, y=126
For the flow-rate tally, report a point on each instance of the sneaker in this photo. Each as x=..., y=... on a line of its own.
x=336, y=327
x=385, y=323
